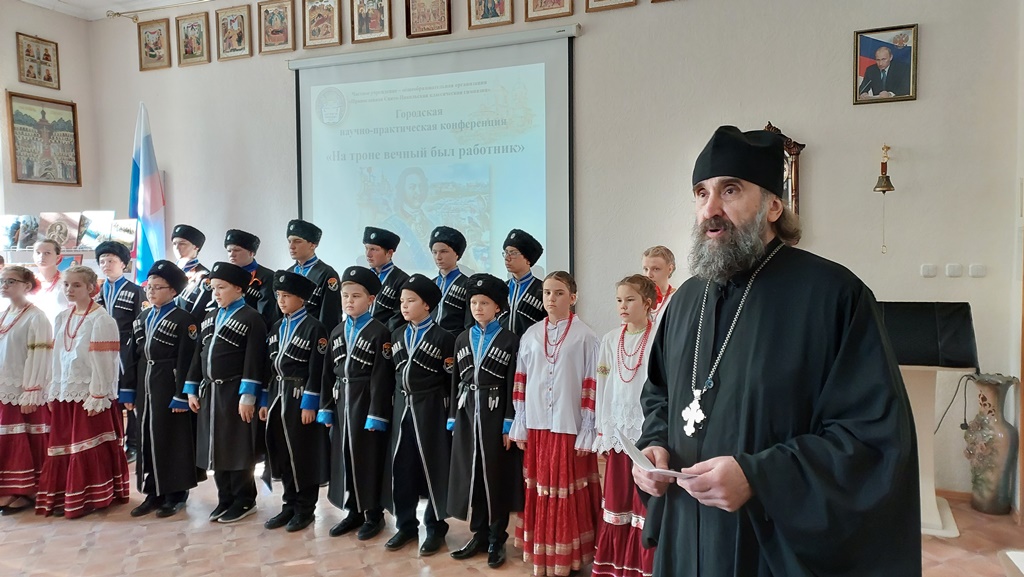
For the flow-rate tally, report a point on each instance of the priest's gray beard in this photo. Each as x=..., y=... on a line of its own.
x=739, y=249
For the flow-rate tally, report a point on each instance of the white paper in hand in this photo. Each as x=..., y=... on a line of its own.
x=643, y=462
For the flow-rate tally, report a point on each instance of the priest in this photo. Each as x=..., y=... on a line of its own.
x=772, y=383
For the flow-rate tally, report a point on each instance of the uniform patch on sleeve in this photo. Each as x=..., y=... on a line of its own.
x=146, y=305
x=386, y=350
x=321, y=345
x=192, y=332
x=332, y=283
x=449, y=364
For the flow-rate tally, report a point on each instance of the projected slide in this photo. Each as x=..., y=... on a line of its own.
x=463, y=149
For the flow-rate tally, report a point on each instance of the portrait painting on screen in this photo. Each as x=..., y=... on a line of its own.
x=411, y=200
x=371, y=20
x=428, y=18
x=543, y=9
x=193, y=39
x=885, y=64
x=233, y=37
x=44, y=140
x=154, y=50
x=320, y=26
x=276, y=29
x=487, y=13
x=37, y=61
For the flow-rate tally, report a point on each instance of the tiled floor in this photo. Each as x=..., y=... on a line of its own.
x=112, y=543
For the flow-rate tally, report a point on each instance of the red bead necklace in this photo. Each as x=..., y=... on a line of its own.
x=67, y=327
x=557, y=345
x=53, y=284
x=661, y=298
x=623, y=356
x=4, y=330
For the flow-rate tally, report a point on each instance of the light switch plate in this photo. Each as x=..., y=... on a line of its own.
x=954, y=270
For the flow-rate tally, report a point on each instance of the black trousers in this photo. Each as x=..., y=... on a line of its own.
x=149, y=483
x=235, y=487
x=131, y=434
x=300, y=501
x=373, y=515
x=410, y=481
x=497, y=532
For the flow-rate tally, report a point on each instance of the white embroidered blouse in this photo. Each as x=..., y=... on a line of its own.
x=85, y=359
x=618, y=401
x=25, y=356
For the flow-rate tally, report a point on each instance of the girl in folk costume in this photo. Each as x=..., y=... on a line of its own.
x=484, y=485
x=296, y=445
x=50, y=297
x=159, y=355
x=85, y=468
x=26, y=346
x=621, y=374
x=658, y=265
x=554, y=426
x=359, y=407
x=424, y=356
x=227, y=372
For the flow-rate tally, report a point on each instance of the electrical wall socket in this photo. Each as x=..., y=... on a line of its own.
x=976, y=271
x=954, y=270
x=929, y=271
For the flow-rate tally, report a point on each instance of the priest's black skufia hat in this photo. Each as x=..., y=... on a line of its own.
x=246, y=240
x=233, y=274
x=170, y=272
x=294, y=283
x=115, y=248
x=424, y=287
x=525, y=243
x=450, y=237
x=305, y=230
x=756, y=156
x=383, y=238
x=362, y=276
x=189, y=233
x=490, y=286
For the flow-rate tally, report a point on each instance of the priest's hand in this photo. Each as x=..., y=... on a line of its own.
x=29, y=409
x=193, y=403
x=652, y=483
x=720, y=483
x=264, y=413
x=246, y=412
x=308, y=416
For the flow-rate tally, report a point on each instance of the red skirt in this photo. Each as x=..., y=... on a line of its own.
x=557, y=528
x=85, y=467
x=619, y=552
x=23, y=443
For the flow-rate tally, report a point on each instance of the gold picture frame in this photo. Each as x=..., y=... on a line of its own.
x=154, y=44
x=425, y=18
x=321, y=23
x=545, y=9
x=490, y=13
x=193, y=39
x=38, y=61
x=234, y=32
x=885, y=64
x=370, y=20
x=44, y=140
x=277, y=26
x=790, y=170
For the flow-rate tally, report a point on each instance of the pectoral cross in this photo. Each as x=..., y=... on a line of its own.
x=693, y=414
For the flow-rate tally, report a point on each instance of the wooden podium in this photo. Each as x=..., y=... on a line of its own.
x=936, y=517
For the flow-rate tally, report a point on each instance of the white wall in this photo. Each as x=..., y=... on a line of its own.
x=76, y=85
x=652, y=82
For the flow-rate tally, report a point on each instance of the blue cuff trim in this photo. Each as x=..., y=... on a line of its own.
x=264, y=398
x=178, y=404
x=373, y=424
x=506, y=427
x=248, y=387
x=310, y=401
x=325, y=417
x=126, y=396
x=451, y=425
x=191, y=388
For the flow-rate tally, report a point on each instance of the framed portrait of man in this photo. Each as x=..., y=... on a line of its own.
x=885, y=64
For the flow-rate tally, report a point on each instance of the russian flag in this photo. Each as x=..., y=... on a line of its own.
x=869, y=45
x=147, y=199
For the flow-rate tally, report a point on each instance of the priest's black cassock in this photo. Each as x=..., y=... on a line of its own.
x=809, y=400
